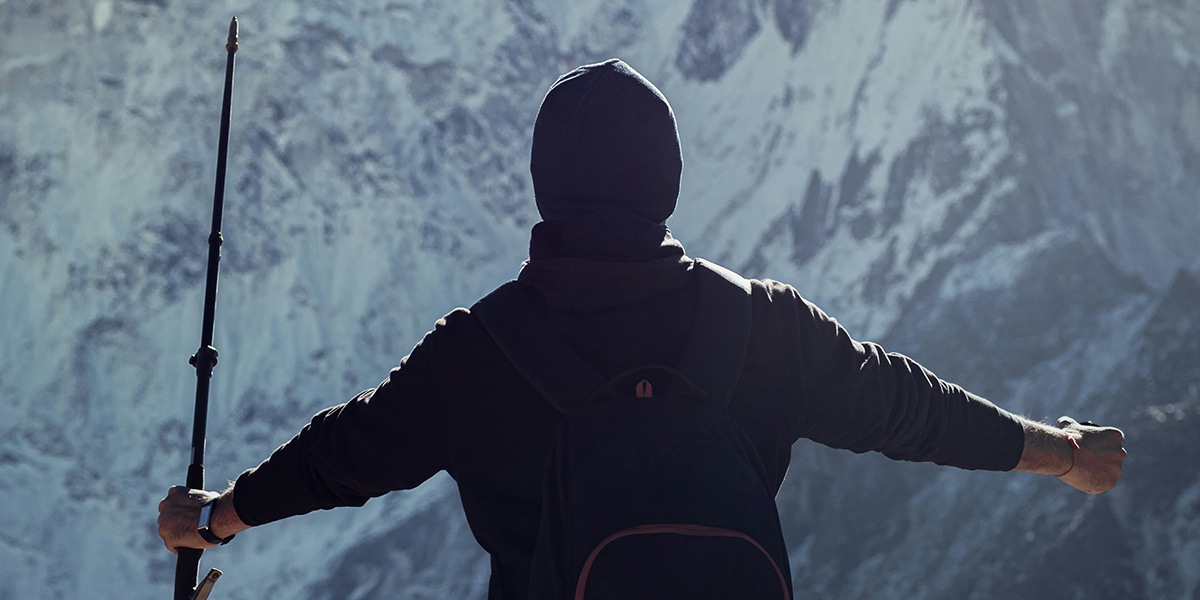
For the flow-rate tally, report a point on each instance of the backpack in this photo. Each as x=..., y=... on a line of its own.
x=650, y=490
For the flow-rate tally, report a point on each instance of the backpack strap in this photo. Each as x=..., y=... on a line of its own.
x=515, y=320
x=716, y=351
x=713, y=357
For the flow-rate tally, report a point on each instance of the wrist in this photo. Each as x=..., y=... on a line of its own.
x=1074, y=456
x=206, y=526
x=225, y=521
x=1048, y=450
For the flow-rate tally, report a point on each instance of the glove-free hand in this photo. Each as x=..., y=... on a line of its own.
x=1099, y=458
x=178, y=517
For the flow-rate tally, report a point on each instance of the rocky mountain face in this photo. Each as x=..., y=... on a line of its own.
x=1004, y=191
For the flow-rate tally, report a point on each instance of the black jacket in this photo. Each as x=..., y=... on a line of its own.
x=457, y=404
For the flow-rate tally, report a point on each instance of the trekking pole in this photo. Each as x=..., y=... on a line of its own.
x=188, y=565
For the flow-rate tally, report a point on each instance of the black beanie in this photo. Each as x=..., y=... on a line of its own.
x=605, y=139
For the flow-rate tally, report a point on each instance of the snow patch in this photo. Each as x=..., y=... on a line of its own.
x=101, y=14
x=997, y=268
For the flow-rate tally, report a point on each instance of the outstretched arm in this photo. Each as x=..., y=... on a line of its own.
x=179, y=516
x=1092, y=463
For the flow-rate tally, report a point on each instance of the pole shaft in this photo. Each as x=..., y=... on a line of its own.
x=187, y=567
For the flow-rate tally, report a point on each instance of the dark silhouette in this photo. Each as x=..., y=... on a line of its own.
x=616, y=289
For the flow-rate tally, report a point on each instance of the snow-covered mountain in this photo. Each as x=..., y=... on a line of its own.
x=1006, y=191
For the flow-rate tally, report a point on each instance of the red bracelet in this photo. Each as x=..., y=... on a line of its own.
x=1074, y=451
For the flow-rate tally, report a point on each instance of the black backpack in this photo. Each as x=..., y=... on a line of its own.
x=651, y=490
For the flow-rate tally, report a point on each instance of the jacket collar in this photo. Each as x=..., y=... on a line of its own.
x=603, y=260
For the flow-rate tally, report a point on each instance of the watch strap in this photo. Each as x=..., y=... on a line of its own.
x=205, y=529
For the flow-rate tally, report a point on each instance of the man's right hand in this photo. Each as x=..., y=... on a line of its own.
x=179, y=516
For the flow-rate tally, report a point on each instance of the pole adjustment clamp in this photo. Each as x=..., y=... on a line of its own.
x=208, y=351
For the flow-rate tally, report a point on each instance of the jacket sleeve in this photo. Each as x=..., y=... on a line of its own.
x=388, y=438
x=860, y=397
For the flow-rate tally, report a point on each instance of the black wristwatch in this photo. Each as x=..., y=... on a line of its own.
x=205, y=527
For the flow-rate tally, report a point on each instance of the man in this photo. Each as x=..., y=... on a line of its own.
x=619, y=289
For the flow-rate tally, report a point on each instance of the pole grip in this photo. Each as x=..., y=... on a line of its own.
x=187, y=569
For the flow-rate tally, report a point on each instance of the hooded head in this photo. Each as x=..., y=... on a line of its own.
x=605, y=139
